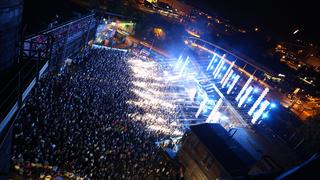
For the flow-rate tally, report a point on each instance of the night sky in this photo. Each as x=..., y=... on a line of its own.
x=276, y=17
x=280, y=17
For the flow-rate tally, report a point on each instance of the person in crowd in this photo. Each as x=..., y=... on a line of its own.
x=81, y=122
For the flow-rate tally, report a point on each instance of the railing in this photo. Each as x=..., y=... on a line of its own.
x=37, y=53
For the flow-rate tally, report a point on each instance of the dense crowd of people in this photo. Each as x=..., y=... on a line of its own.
x=95, y=122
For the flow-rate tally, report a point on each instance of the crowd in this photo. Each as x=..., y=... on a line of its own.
x=95, y=122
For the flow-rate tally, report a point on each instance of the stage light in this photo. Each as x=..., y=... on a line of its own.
x=225, y=81
x=244, y=88
x=249, y=99
x=264, y=115
x=214, y=110
x=218, y=65
x=212, y=60
x=224, y=118
x=202, y=106
x=273, y=105
x=219, y=69
x=224, y=68
x=258, y=113
x=235, y=80
x=255, y=90
x=258, y=101
x=178, y=62
x=227, y=72
x=184, y=66
x=244, y=97
x=215, y=118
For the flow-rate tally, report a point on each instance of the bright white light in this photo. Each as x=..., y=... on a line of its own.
x=224, y=68
x=209, y=66
x=201, y=107
x=296, y=31
x=264, y=115
x=228, y=72
x=258, y=113
x=227, y=79
x=184, y=66
x=218, y=65
x=245, y=96
x=214, y=118
x=258, y=101
x=224, y=118
x=178, y=63
x=149, y=86
x=235, y=80
x=244, y=88
x=219, y=69
x=214, y=110
x=192, y=92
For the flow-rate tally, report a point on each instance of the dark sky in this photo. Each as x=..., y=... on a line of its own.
x=281, y=17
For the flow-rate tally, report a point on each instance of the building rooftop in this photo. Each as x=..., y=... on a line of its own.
x=227, y=151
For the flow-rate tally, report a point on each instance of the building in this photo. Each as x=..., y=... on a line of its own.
x=209, y=152
x=313, y=62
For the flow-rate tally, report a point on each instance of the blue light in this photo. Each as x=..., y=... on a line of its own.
x=265, y=115
x=249, y=99
x=233, y=76
x=224, y=68
x=256, y=90
x=273, y=105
